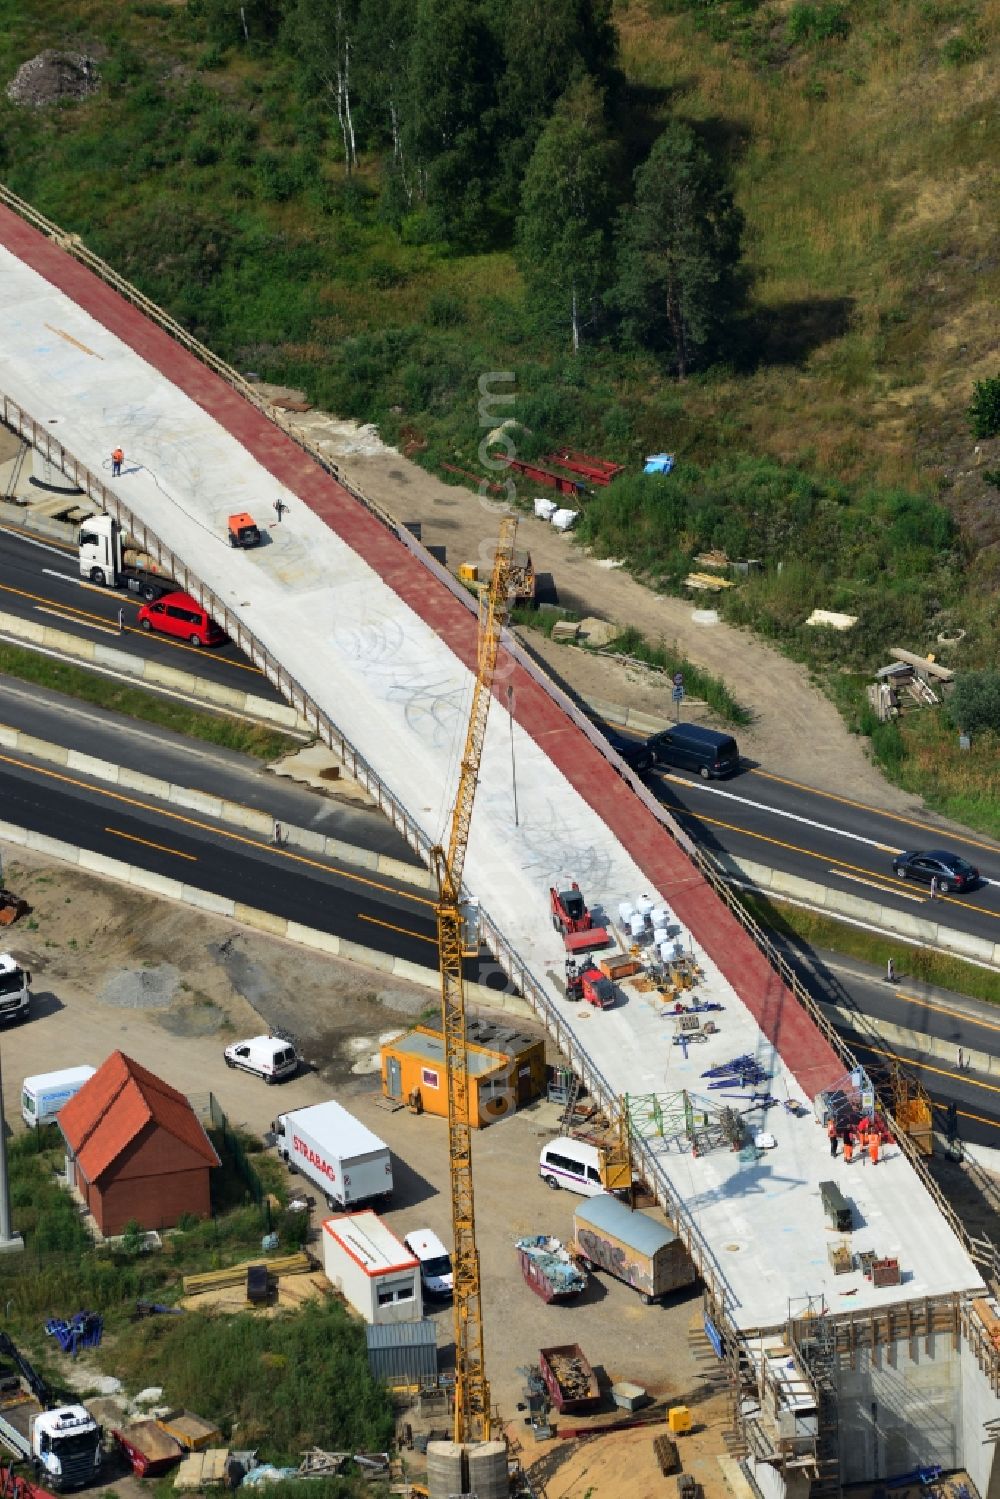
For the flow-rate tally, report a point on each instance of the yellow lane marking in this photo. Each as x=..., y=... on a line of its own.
x=958, y=1077
x=913, y=999
x=148, y=843
x=809, y=853
x=979, y=1118
x=84, y=614
x=71, y=619
x=193, y=822
x=847, y=801
x=390, y=926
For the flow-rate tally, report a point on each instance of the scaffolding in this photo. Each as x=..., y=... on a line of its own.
x=685, y=1119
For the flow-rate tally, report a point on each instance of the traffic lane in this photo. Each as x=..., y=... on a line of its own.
x=721, y=803
x=756, y=796
x=171, y=757
x=39, y=581
x=977, y=1100
x=977, y=913
x=352, y=904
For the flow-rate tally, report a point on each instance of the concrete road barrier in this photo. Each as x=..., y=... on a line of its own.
x=219, y=809
x=113, y=658
x=255, y=918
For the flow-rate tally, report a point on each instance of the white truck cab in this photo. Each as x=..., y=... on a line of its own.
x=109, y=559
x=15, y=995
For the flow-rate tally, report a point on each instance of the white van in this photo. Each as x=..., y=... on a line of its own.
x=269, y=1057
x=436, y=1277
x=573, y=1164
x=43, y=1095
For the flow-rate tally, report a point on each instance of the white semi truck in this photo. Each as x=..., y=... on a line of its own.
x=15, y=993
x=340, y=1155
x=61, y=1442
x=110, y=558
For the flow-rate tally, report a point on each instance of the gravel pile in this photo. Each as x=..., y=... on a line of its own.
x=142, y=988
x=53, y=76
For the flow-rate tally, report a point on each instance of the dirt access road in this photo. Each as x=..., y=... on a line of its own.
x=796, y=732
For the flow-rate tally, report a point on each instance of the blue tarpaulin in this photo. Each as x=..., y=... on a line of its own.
x=659, y=463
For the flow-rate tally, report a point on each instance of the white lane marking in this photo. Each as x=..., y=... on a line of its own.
x=51, y=572
x=33, y=541
x=874, y=885
x=809, y=822
x=71, y=619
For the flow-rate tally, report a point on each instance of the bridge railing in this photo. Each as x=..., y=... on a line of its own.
x=42, y=438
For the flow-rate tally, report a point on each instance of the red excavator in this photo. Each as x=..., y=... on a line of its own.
x=571, y=917
x=589, y=984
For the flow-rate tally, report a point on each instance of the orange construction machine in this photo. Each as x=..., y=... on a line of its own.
x=243, y=531
x=571, y=917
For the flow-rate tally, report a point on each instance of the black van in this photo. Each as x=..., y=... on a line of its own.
x=687, y=746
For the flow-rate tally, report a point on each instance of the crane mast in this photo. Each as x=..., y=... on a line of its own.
x=472, y=1391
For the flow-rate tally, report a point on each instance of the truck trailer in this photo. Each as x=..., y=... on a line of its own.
x=15, y=995
x=645, y=1254
x=340, y=1155
x=62, y=1442
x=110, y=558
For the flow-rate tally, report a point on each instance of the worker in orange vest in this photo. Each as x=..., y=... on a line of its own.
x=831, y=1130
x=848, y=1148
x=117, y=459
x=873, y=1148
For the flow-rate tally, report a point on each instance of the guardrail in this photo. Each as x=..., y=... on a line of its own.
x=42, y=439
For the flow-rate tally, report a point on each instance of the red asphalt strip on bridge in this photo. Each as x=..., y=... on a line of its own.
x=671, y=875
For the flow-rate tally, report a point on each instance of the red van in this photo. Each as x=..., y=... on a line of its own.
x=180, y=615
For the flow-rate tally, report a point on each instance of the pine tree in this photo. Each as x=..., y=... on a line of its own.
x=679, y=277
x=563, y=232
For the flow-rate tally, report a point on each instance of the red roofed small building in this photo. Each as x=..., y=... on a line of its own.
x=135, y=1148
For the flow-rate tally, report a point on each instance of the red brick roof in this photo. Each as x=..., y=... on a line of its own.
x=116, y=1105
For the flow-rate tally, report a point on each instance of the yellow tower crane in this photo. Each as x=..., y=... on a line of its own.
x=472, y=1391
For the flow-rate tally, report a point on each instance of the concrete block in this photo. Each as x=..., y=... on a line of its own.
x=206, y=900
x=56, y=849
x=196, y=801
x=279, y=713
x=306, y=841
x=368, y=956
x=248, y=818
x=103, y=864
x=89, y=765
x=309, y=936
x=137, y=780
x=42, y=750
x=361, y=858
x=8, y=737
x=169, y=676
x=416, y=973
x=156, y=884
x=11, y=834
x=263, y=921
x=413, y=874
x=108, y=655
x=645, y=723
x=798, y=889
x=22, y=629
x=979, y=948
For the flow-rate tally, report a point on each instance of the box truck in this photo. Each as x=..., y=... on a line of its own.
x=340, y=1155
x=43, y=1095
x=15, y=995
x=645, y=1254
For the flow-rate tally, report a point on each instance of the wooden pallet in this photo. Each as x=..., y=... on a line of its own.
x=234, y=1275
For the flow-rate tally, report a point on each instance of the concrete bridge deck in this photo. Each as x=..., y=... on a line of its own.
x=385, y=648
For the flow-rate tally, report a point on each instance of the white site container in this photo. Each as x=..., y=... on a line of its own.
x=371, y=1269
x=660, y=915
x=660, y=935
x=644, y=905
x=545, y=509
x=637, y=925
x=626, y=911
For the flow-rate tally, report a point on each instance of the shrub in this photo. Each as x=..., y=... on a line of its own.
x=446, y=310
x=984, y=408
x=975, y=702
x=958, y=50
x=823, y=22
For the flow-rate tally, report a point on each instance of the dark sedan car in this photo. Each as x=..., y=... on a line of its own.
x=635, y=752
x=950, y=871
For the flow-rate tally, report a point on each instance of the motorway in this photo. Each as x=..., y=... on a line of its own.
x=756, y=815
x=40, y=581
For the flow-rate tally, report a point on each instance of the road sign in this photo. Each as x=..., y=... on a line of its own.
x=678, y=679
x=678, y=693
